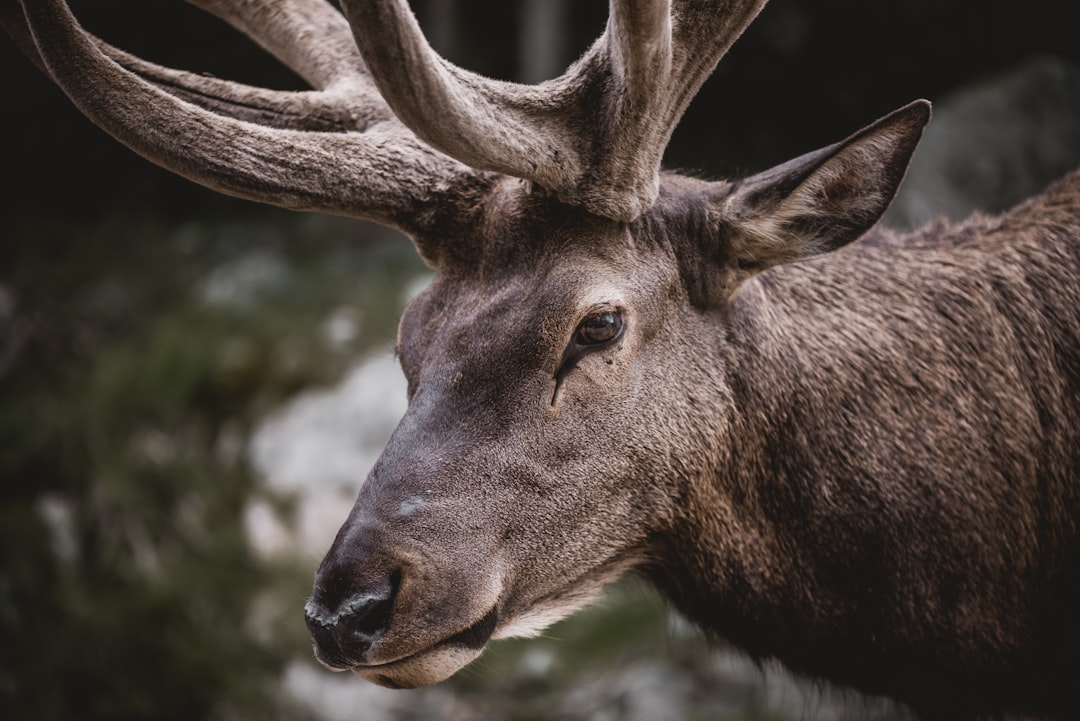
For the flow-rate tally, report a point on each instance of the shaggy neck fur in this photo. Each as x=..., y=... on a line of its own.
x=894, y=509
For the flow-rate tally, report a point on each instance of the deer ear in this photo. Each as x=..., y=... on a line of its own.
x=820, y=201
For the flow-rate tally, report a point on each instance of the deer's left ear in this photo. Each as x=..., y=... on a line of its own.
x=820, y=201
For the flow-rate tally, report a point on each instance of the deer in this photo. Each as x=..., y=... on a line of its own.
x=852, y=451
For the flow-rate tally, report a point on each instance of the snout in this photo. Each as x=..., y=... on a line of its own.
x=344, y=633
x=397, y=616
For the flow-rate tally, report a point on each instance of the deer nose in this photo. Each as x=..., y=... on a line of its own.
x=343, y=633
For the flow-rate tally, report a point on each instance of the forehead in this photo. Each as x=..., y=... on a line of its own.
x=509, y=225
x=537, y=294
x=521, y=255
x=555, y=268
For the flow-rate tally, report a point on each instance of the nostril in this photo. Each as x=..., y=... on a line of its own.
x=366, y=616
x=343, y=635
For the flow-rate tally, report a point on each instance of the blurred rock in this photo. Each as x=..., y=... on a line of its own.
x=57, y=512
x=330, y=437
x=341, y=329
x=319, y=448
x=243, y=282
x=344, y=697
x=994, y=144
x=338, y=697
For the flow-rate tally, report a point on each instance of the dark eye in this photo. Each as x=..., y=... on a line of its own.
x=599, y=328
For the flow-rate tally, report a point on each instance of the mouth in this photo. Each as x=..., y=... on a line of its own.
x=433, y=663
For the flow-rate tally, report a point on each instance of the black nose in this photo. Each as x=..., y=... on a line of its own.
x=343, y=632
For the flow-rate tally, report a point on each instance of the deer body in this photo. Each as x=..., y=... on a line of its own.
x=854, y=452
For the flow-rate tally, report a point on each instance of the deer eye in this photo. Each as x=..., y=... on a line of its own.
x=599, y=328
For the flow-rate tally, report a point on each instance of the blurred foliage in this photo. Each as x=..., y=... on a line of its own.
x=127, y=586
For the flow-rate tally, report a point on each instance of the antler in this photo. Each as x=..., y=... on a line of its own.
x=594, y=136
x=263, y=145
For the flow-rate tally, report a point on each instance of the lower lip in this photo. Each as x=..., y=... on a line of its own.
x=475, y=637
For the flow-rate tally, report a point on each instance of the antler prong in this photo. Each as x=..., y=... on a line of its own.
x=308, y=36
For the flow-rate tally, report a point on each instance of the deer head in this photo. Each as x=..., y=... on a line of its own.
x=569, y=400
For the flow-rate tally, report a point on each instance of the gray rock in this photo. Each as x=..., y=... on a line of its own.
x=994, y=144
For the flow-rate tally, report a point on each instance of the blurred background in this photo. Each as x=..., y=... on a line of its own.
x=193, y=387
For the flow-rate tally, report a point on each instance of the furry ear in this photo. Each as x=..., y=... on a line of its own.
x=820, y=201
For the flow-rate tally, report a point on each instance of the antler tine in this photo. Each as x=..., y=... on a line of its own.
x=384, y=174
x=309, y=36
x=14, y=24
x=594, y=136
x=352, y=103
x=340, y=109
x=704, y=30
x=300, y=111
x=640, y=39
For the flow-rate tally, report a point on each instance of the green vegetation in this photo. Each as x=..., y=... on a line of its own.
x=127, y=586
